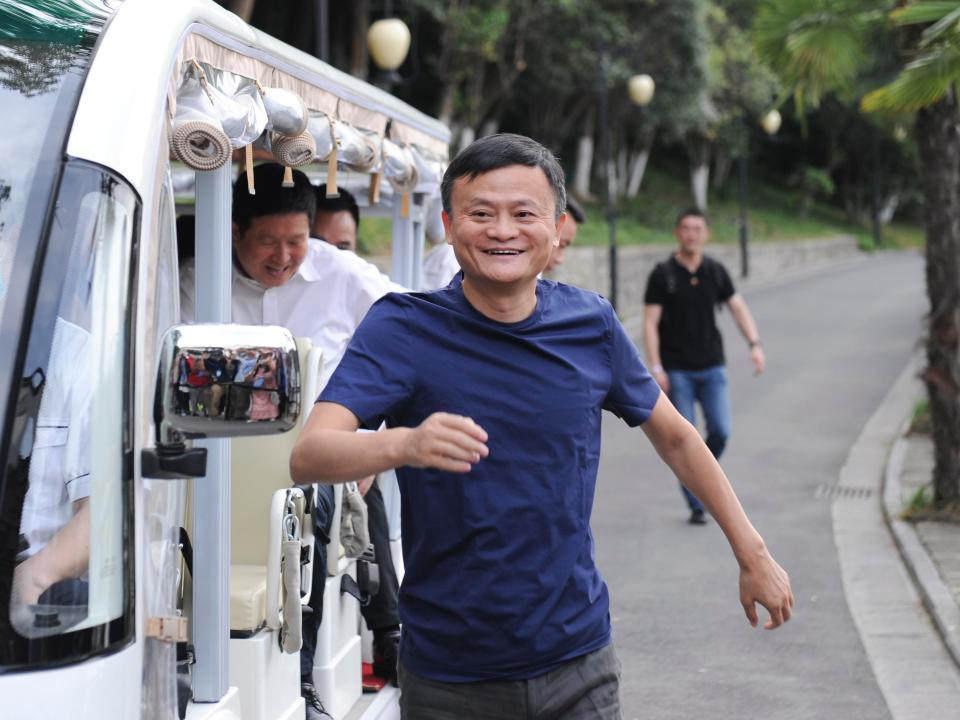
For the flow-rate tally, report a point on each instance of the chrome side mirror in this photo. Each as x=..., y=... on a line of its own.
x=226, y=381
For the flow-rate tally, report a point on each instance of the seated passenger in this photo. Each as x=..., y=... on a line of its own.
x=568, y=233
x=338, y=219
x=283, y=277
x=439, y=264
x=55, y=522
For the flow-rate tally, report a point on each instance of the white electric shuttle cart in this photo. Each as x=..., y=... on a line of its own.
x=150, y=566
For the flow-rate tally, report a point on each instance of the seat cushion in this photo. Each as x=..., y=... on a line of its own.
x=248, y=597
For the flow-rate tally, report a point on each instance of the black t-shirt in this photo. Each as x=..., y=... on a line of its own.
x=689, y=337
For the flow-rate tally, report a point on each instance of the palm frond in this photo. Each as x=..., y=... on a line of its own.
x=928, y=11
x=921, y=83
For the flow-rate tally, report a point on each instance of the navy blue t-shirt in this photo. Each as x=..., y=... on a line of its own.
x=500, y=576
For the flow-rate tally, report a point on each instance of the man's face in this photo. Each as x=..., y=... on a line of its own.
x=272, y=248
x=692, y=232
x=568, y=233
x=337, y=228
x=502, y=225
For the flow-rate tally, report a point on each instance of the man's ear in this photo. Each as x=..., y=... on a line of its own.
x=564, y=218
x=235, y=234
x=447, y=224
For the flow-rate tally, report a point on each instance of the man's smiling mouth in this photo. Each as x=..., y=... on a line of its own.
x=502, y=252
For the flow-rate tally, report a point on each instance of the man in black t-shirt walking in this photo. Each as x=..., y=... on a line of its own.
x=680, y=335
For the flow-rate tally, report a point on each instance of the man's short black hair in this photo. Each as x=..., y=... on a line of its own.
x=691, y=212
x=344, y=202
x=575, y=211
x=271, y=197
x=499, y=151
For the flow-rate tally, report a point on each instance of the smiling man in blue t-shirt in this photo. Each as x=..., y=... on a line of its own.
x=496, y=441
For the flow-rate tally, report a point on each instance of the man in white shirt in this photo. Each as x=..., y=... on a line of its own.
x=55, y=523
x=282, y=276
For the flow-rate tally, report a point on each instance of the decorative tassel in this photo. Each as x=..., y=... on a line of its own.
x=287, y=177
x=248, y=152
x=373, y=194
x=332, y=191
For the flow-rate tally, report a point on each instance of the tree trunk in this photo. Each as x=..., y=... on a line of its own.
x=698, y=152
x=490, y=126
x=447, y=101
x=467, y=136
x=637, y=170
x=242, y=9
x=938, y=145
x=699, y=181
x=722, y=164
x=584, y=164
x=360, y=23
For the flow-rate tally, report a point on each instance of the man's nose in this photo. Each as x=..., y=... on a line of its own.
x=503, y=228
x=281, y=253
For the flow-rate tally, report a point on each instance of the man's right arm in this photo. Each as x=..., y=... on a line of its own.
x=330, y=450
x=651, y=344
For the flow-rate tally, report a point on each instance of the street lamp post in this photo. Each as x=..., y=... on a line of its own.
x=770, y=124
x=640, y=89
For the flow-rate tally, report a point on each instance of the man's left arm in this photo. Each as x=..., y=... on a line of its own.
x=762, y=580
x=748, y=328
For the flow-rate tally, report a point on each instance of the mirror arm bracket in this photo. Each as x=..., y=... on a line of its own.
x=173, y=461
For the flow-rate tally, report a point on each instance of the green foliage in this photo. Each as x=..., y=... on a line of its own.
x=922, y=83
x=816, y=46
x=920, y=419
x=936, y=68
x=919, y=503
x=649, y=218
x=817, y=181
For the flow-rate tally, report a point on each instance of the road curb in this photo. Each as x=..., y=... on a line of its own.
x=936, y=596
x=912, y=666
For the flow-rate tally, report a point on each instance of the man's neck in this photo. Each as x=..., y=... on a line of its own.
x=504, y=304
x=690, y=260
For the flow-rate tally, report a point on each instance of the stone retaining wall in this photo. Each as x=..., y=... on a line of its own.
x=588, y=267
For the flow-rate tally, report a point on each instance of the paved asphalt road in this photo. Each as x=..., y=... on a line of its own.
x=835, y=341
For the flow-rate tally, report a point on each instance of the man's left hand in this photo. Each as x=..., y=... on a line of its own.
x=758, y=359
x=764, y=581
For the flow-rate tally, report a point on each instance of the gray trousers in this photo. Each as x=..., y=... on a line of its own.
x=585, y=688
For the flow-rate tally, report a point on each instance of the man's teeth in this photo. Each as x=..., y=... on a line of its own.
x=503, y=252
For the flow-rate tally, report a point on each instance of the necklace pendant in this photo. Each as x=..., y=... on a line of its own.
x=694, y=280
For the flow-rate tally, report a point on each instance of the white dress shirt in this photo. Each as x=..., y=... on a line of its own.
x=439, y=267
x=60, y=457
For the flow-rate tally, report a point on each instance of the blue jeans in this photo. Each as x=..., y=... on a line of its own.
x=709, y=388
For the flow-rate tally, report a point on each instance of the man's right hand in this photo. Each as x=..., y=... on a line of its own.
x=453, y=443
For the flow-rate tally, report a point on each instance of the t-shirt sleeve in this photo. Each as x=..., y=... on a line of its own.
x=656, y=288
x=725, y=289
x=376, y=376
x=633, y=391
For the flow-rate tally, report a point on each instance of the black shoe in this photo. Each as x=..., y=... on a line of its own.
x=386, y=652
x=697, y=517
x=314, y=708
